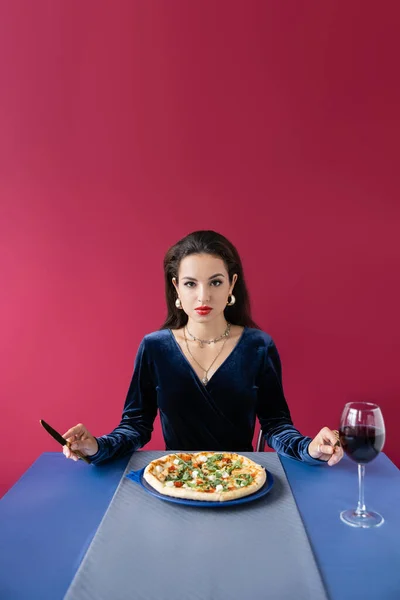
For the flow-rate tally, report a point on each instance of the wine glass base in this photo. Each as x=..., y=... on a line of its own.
x=365, y=519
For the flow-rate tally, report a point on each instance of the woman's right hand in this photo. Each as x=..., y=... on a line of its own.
x=79, y=438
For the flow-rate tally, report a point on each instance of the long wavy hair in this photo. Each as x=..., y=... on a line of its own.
x=206, y=242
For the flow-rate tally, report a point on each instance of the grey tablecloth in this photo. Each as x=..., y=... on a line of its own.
x=149, y=549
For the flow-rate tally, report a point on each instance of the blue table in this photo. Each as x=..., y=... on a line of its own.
x=49, y=517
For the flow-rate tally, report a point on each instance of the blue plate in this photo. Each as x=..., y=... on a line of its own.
x=137, y=476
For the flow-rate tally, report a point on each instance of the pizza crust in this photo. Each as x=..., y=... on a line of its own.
x=258, y=472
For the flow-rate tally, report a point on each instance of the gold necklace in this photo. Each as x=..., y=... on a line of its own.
x=217, y=339
x=205, y=379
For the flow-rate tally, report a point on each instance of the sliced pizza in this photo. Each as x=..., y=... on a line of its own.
x=206, y=476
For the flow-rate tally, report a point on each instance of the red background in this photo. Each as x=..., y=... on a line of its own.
x=126, y=125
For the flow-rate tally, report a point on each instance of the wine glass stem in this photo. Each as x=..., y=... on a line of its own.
x=361, y=508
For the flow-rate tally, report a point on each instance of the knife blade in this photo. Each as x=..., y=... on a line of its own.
x=59, y=438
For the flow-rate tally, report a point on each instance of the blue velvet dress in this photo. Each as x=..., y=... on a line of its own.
x=220, y=416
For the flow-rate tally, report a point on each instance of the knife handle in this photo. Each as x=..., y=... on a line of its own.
x=82, y=456
x=79, y=454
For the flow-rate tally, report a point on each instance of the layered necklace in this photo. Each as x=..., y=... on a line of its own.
x=217, y=339
x=224, y=336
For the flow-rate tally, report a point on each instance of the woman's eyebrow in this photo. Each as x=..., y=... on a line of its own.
x=212, y=277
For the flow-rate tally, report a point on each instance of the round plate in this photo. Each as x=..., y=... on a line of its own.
x=137, y=476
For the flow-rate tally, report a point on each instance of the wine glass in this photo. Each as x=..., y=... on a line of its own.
x=362, y=435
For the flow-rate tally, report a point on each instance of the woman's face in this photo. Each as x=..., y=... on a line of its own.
x=203, y=284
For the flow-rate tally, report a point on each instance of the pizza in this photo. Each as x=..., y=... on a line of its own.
x=207, y=476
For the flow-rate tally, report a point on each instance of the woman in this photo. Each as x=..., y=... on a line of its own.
x=209, y=370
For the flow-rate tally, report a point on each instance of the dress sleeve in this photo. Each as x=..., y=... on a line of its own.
x=274, y=415
x=140, y=409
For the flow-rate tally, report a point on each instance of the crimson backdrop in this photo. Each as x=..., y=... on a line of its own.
x=125, y=125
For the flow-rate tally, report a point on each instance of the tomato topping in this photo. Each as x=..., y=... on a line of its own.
x=172, y=468
x=178, y=483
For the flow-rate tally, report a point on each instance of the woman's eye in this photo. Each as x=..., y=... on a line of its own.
x=214, y=282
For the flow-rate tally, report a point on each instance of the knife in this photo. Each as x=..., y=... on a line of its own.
x=59, y=438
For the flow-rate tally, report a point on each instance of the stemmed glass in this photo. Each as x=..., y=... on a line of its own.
x=362, y=435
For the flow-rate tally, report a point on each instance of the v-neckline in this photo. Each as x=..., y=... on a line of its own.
x=217, y=370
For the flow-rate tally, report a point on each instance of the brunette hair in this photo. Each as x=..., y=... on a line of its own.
x=206, y=242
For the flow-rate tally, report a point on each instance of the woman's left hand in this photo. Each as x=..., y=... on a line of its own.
x=323, y=447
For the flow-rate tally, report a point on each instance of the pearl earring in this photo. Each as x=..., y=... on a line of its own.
x=232, y=301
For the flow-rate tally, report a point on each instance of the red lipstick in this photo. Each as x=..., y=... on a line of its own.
x=203, y=310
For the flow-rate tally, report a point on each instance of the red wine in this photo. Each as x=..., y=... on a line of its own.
x=362, y=443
